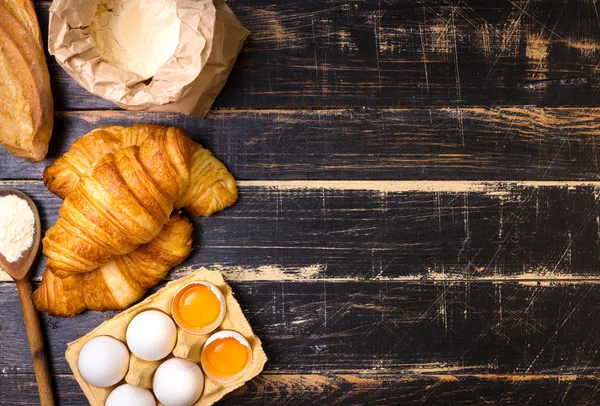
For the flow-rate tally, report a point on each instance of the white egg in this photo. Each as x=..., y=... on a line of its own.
x=103, y=361
x=129, y=395
x=151, y=335
x=178, y=382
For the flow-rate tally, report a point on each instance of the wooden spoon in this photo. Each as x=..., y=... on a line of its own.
x=20, y=271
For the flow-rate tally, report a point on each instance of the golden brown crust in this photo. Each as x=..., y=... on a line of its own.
x=120, y=282
x=211, y=187
x=60, y=297
x=63, y=175
x=26, y=105
x=24, y=12
x=166, y=157
x=142, y=185
x=118, y=205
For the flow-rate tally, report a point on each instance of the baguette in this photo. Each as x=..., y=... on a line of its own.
x=26, y=106
x=24, y=12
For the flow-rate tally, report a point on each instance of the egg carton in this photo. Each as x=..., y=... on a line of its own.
x=188, y=345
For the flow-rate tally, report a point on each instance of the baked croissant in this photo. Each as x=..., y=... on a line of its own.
x=120, y=282
x=211, y=188
x=123, y=201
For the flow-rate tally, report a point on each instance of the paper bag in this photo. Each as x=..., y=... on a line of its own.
x=210, y=40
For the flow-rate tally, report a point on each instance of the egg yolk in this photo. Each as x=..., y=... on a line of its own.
x=196, y=307
x=225, y=357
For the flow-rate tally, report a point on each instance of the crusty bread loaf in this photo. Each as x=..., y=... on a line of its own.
x=26, y=106
x=24, y=12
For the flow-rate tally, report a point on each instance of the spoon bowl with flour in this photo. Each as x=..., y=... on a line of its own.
x=20, y=233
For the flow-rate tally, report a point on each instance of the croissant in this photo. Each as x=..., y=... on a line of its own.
x=120, y=282
x=123, y=201
x=211, y=188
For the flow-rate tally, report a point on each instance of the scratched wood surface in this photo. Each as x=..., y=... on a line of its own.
x=392, y=230
x=439, y=143
x=402, y=53
x=419, y=213
x=398, y=328
x=372, y=389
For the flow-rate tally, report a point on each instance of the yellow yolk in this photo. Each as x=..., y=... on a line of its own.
x=225, y=357
x=196, y=307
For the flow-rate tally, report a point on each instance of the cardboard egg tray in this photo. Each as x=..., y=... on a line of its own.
x=188, y=345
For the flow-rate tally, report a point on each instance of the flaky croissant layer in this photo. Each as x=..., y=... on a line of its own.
x=123, y=201
x=115, y=236
x=211, y=188
x=120, y=282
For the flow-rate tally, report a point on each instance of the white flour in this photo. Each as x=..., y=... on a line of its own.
x=138, y=36
x=17, y=227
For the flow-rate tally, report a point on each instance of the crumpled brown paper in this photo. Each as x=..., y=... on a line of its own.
x=210, y=40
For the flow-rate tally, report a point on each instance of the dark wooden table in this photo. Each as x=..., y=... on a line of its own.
x=419, y=218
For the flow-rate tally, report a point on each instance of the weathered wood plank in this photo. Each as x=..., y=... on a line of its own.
x=401, y=53
x=383, y=327
x=466, y=143
x=393, y=230
x=372, y=389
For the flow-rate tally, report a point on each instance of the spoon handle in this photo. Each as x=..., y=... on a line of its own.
x=36, y=344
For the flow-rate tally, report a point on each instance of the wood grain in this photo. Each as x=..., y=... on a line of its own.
x=39, y=357
x=401, y=53
x=372, y=389
x=384, y=327
x=466, y=143
x=393, y=231
x=374, y=274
